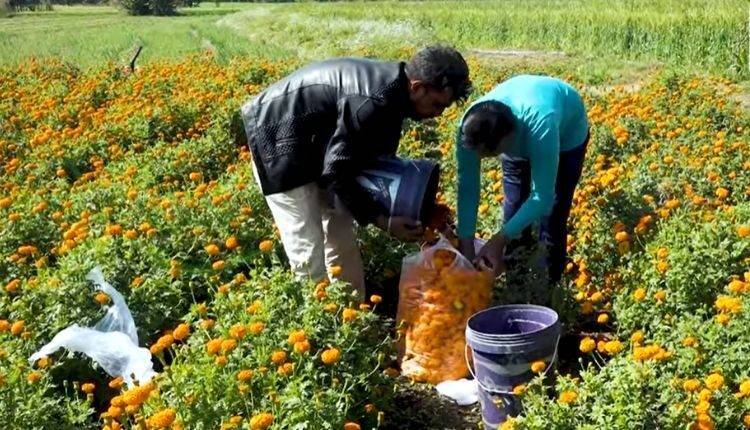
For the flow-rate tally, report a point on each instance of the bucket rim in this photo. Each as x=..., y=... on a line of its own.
x=512, y=336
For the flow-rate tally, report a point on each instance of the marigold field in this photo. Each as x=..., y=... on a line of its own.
x=139, y=173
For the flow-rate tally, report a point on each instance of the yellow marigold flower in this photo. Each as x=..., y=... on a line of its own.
x=637, y=337
x=662, y=253
x=162, y=419
x=330, y=356
x=244, y=375
x=602, y=318
x=662, y=266
x=702, y=407
x=261, y=421
x=722, y=193
x=587, y=345
x=41, y=363
x=737, y=286
x=278, y=357
x=88, y=388
x=690, y=341
x=221, y=360
x=181, y=332
x=746, y=420
x=639, y=294
x=375, y=299
x=705, y=395
x=509, y=424
x=538, y=366
x=714, y=381
x=596, y=297
x=743, y=230
x=567, y=397
x=349, y=314
x=613, y=347
x=691, y=385
x=660, y=296
x=744, y=390
x=331, y=307
x=722, y=319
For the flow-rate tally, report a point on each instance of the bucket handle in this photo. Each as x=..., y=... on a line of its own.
x=510, y=393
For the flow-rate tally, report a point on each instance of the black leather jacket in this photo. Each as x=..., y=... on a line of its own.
x=324, y=123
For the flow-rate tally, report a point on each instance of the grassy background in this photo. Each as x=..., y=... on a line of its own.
x=597, y=34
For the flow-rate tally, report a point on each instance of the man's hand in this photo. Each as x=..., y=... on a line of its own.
x=466, y=246
x=402, y=228
x=491, y=255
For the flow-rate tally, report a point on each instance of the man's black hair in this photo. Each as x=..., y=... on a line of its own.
x=441, y=67
x=485, y=124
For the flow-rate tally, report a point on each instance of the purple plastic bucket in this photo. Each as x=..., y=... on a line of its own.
x=402, y=187
x=504, y=341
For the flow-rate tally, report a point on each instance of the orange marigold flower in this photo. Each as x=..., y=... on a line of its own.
x=257, y=327
x=88, y=388
x=302, y=347
x=231, y=243
x=228, y=345
x=567, y=397
x=17, y=327
x=336, y=271
x=330, y=356
x=266, y=246
x=351, y=426
x=538, y=366
x=116, y=383
x=261, y=421
x=691, y=385
x=244, y=375
x=181, y=332
x=238, y=331
x=375, y=299
x=296, y=336
x=162, y=419
x=278, y=357
x=34, y=377
x=213, y=346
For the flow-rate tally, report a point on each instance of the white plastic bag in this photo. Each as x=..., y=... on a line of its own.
x=112, y=342
x=462, y=391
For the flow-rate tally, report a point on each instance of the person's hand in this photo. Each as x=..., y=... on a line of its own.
x=491, y=255
x=466, y=247
x=401, y=227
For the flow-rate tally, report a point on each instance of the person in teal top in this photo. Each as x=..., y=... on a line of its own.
x=538, y=127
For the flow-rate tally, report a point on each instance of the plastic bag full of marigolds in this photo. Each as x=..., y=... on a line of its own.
x=439, y=290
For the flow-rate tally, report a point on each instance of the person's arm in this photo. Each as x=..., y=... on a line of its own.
x=544, y=155
x=468, y=174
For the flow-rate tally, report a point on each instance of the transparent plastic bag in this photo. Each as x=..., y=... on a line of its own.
x=112, y=343
x=439, y=290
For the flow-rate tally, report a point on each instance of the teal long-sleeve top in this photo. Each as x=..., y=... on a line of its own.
x=549, y=118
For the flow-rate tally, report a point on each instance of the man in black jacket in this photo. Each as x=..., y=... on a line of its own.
x=313, y=132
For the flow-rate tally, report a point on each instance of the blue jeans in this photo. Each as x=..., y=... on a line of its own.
x=553, y=230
